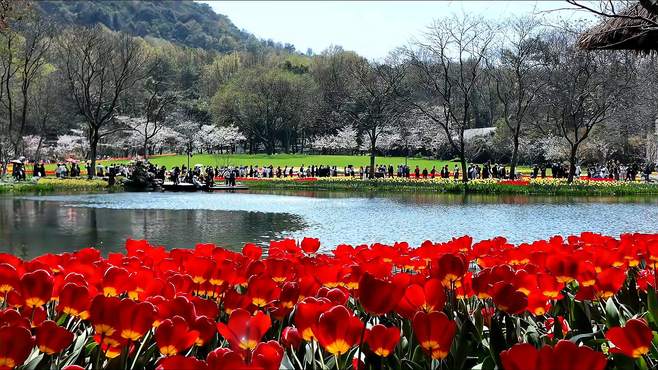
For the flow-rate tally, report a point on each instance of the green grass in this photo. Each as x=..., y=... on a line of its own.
x=48, y=184
x=294, y=160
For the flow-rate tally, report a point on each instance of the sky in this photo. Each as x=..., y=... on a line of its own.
x=371, y=28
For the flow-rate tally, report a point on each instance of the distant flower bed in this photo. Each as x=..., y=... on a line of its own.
x=492, y=186
x=48, y=184
x=581, y=302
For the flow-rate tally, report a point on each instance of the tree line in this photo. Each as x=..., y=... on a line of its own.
x=96, y=92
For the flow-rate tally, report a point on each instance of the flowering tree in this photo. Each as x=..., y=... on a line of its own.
x=75, y=143
x=343, y=140
x=32, y=145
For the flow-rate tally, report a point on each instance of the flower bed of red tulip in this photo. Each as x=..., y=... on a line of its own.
x=581, y=302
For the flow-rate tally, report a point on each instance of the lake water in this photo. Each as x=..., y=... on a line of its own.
x=30, y=225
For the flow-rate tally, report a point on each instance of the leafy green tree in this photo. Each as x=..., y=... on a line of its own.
x=269, y=105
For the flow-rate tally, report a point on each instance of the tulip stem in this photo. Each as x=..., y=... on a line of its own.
x=294, y=355
x=363, y=334
x=337, y=364
x=139, y=349
x=98, y=354
x=321, y=358
x=313, y=354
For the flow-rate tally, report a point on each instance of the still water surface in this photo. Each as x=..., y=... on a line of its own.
x=30, y=225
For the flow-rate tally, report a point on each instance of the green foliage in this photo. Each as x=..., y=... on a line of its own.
x=183, y=22
x=46, y=185
x=268, y=104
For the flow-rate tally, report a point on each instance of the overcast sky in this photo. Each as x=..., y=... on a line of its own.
x=371, y=28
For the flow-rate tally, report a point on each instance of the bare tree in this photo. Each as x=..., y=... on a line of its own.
x=375, y=100
x=583, y=90
x=26, y=41
x=158, y=102
x=99, y=68
x=518, y=77
x=449, y=71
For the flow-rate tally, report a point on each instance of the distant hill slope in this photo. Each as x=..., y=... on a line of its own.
x=183, y=22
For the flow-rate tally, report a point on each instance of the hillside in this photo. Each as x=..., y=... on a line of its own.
x=182, y=22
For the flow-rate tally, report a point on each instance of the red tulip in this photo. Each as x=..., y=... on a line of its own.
x=633, y=340
x=243, y=330
x=200, y=268
x=279, y=269
x=429, y=297
x=338, y=296
x=563, y=267
x=378, y=296
x=307, y=313
x=174, y=335
x=11, y=317
x=135, y=319
x=565, y=355
x=338, y=330
x=15, y=345
x=234, y=300
x=449, y=268
x=434, y=331
x=382, y=340
x=608, y=282
x=262, y=290
x=36, y=288
x=267, y=356
x=538, y=305
x=508, y=299
x=252, y=251
x=8, y=278
x=52, y=339
x=181, y=363
x=290, y=337
x=74, y=300
x=206, y=328
x=226, y=358
x=310, y=245
x=115, y=281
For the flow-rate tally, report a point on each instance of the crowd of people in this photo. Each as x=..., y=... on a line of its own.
x=201, y=175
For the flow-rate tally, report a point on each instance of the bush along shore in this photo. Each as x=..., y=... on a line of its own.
x=45, y=185
x=534, y=186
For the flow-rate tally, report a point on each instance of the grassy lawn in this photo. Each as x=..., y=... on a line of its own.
x=294, y=160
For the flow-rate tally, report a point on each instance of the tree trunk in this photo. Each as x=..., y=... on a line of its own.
x=515, y=154
x=93, y=146
x=462, y=159
x=572, y=162
x=146, y=148
x=372, y=163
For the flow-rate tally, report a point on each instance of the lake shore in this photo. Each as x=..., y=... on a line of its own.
x=535, y=186
x=53, y=184
x=586, y=187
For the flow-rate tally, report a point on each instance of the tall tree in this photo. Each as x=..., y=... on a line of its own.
x=25, y=41
x=376, y=100
x=583, y=90
x=269, y=105
x=99, y=67
x=449, y=74
x=518, y=77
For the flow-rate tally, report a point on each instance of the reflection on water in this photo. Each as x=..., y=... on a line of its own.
x=30, y=227
x=65, y=222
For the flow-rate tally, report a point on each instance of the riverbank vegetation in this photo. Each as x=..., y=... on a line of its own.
x=533, y=186
x=51, y=184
